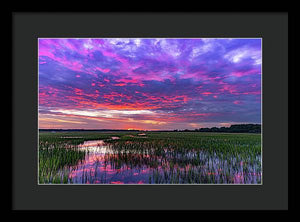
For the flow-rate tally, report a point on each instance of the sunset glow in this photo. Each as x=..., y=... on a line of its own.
x=149, y=84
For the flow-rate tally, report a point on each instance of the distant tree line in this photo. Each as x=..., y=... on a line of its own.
x=237, y=128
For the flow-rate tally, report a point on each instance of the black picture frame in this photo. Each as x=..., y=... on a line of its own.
x=273, y=27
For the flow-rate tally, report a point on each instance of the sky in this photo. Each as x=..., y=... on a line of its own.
x=148, y=84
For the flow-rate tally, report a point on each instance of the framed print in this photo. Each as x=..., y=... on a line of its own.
x=155, y=110
x=134, y=111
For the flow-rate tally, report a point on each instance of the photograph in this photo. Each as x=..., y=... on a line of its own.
x=149, y=111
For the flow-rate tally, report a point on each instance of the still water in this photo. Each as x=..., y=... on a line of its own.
x=103, y=165
x=96, y=168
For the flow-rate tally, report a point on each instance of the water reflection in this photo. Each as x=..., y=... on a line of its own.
x=105, y=164
x=96, y=168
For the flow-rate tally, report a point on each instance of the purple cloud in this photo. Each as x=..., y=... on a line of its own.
x=170, y=83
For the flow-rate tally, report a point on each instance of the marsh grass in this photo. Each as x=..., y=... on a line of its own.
x=169, y=157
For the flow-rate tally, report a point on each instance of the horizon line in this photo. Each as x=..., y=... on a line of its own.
x=105, y=129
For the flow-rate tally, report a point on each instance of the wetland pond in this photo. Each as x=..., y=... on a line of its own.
x=100, y=166
x=115, y=162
